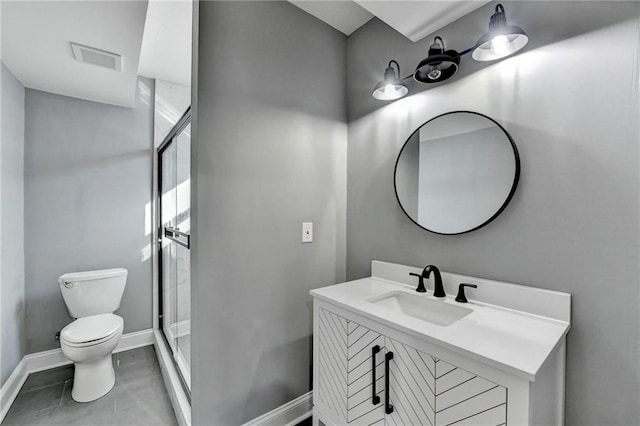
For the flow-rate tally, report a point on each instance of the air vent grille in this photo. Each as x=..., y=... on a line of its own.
x=91, y=55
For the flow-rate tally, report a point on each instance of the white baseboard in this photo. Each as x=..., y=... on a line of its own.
x=11, y=387
x=289, y=414
x=39, y=361
x=134, y=340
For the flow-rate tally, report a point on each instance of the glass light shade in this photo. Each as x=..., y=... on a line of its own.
x=391, y=87
x=389, y=91
x=495, y=46
x=502, y=40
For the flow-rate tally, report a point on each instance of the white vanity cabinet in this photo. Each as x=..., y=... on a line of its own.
x=370, y=368
x=423, y=390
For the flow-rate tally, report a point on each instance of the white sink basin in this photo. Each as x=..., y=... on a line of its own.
x=423, y=308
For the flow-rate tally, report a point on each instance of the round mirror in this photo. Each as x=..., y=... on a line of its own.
x=456, y=173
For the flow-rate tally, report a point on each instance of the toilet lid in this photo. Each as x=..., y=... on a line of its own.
x=94, y=327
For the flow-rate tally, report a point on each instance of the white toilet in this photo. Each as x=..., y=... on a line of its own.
x=91, y=298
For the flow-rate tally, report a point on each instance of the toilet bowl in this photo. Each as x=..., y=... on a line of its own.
x=89, y=340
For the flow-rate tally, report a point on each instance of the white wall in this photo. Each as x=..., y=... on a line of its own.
x=573, y=222
x=12, y=293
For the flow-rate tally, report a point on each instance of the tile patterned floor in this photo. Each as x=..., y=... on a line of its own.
x=138, y=398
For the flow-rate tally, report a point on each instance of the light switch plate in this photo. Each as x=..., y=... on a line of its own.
x=307, y=232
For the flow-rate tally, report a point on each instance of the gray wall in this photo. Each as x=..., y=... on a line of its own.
x=573, y=222
x=270, y=154
x=12, y=332
x=87, y=203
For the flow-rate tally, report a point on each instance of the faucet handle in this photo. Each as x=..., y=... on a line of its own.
x=421, y=288
x=461, y=296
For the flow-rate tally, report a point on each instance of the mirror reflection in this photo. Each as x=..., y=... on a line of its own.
x=456, y=173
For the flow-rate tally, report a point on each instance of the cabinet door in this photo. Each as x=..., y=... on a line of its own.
x=411, y=386
x=364, y=346
x=331, y=356
x=423, y=390
x=427, y=391
x=464, y=398
x=345, y=357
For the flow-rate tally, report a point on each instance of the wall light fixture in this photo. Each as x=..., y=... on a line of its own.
x=499, y=42
x=391, y=87
x=502, y=40
x=439, y=65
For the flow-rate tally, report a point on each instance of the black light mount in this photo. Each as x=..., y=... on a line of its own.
x=440, y=65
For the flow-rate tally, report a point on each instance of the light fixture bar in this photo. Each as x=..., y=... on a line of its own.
x=499, y=42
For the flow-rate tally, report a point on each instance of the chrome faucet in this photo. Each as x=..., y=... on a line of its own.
x=438, y=289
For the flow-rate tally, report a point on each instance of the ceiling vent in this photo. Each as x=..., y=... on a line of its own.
x=102, y=58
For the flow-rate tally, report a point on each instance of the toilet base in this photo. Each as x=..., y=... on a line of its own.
x=93, y=380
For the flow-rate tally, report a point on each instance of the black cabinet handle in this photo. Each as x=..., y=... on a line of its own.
x=388, y=408
x=375, y=399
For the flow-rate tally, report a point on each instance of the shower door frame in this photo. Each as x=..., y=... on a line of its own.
x=171, y=137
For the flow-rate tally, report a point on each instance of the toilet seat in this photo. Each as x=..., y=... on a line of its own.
x=92, y=330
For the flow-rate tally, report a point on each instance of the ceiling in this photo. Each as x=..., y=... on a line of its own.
x=154, y=38
x=345, y=16
x=413, y=19
x=417, y=19
x=35, y=46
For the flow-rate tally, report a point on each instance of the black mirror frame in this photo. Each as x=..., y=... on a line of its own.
x=514, y=185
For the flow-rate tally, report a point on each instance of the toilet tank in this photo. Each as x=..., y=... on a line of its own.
x=93, y=292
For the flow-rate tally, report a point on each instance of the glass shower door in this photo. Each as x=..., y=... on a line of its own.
x=175, y=228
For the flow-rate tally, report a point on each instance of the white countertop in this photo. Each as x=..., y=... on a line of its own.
x=511, y=340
